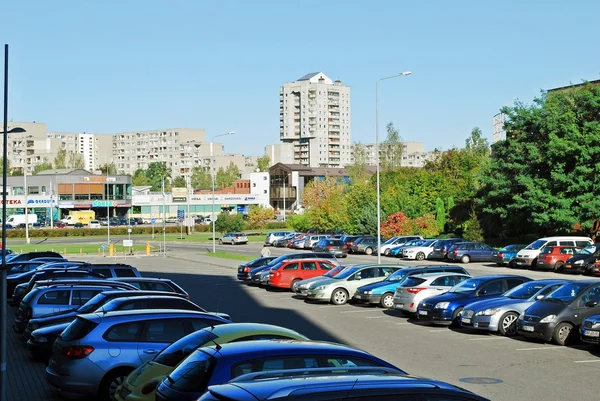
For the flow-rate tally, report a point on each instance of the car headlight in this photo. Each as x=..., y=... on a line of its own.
x=578, y=262
x=442, y=305
x=367, y=292
x=487, y=312
x=321, y=287
x=548, y=319
x=409, y=251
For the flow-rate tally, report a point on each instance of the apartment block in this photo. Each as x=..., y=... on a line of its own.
x=280, y=153
x=499, y=131
x=413, y=154
x=314, y=117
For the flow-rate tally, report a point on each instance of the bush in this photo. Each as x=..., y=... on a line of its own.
x=95, y=232
x=276, y=225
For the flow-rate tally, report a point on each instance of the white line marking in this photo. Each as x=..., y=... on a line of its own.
x=285, y=298
x=590, y=361
x=323, y=307
x=539, y=348
x=376, y=317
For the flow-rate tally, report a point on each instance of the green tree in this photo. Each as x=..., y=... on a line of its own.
x=367, y=220
x=259, y=216
x=76, y=160
x=155, y=173
x=440, y=214
x=179, y=182
x=226, y=177
x=201, y=178
x=227, y=222
x=8, y=167
x=472, y=230
x=44, y=165
x=299, y=222
x=390, y=152
x=138, y=179
x=477, y=144
x=112, y=169
x=357, y=170
x=325, y=204
x=357, y=197
x=60, y=160
x=263, y=163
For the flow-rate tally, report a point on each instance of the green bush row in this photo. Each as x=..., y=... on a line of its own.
x=89, y=232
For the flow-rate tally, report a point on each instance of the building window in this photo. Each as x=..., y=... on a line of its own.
x=43, y=189
x=17, y=191
x=33, y=190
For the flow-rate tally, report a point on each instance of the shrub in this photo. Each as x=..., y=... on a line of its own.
x=276, y=225
x=397, y=224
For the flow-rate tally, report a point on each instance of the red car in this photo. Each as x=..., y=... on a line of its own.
x=288, y=272
x=554, y=257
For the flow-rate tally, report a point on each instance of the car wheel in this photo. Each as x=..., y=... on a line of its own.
x=508, y=324
x=500, y=264
x=562, y=333
x=111, y=382
x=220, y=242
x=294, y=283
x=339, y=296
x=465, y=259
x=387, y=300
x=534, y=264
x=386, y=252
x=558, y=266
x=456, y=318
x=368, y=251
x=512, y=264
x=420, y=256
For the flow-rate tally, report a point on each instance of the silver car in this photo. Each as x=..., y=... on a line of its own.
x=500, y=314
x=313, y=239
x=301, y=287
x=234, y=239
x=416, y=288
x=95, y=353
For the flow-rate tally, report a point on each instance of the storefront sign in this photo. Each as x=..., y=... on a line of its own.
x=179, y=194
x=11, y=202
x=104, y=204
x=40, y=201
x=82, y=206
x=99, y=178
x=124, y=205
x=179, y=199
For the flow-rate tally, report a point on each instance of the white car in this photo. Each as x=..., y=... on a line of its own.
x=341, y=288
x=419, y=252
x=416, y=288
x=234, y=239
x=396, y=241
x=94, y=224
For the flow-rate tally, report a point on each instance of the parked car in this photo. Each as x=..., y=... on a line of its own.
x=349, y=241
x=442, y=247
x=326, y=384
x=415, y=288
x=366, y=245
x=499, y=315
x=234, y=239
x=22, y=257
x=594, y=269
x=311, y=240
x=590, y=329
x=22, y=267
x=141, y=383
x=396, y=251
x=506, y=255
x=420, y=252
x=245, y=268
x=528, y=256
x=254, y=276
x=301, y=287
x=395, y=241
x=94, y=224
x=334, y=246
x=466, y=252
x=446, y=309
x=382, y=292
x=341, y=288
x=554, y=257
x=558, y=316
x=153, y=284
x=272, y=236
x=287, y=273
x=81, y=361
x=219, y=364
x=583, y=260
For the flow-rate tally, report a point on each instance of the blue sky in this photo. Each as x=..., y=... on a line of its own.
x=109, y=66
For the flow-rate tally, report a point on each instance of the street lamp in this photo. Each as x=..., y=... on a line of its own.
x=3, y=291
x=402, y=74
x=213, y=217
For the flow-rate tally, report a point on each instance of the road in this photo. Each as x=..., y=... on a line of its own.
x=523, y=370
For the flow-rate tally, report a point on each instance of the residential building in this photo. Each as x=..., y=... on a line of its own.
x=280, y=153
x=499, y=131
x=314, y=116
x=413, y=154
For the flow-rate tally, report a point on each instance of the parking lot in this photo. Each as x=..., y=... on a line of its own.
x=496, y=367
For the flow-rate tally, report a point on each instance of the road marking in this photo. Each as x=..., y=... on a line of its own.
x=285, y=298
x=362, y=311
x=539, y=348
x=440, y=331
x=590, y=361
x=323, y=307
x=488, y=338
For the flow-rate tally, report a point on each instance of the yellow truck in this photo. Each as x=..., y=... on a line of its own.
x=79, y=216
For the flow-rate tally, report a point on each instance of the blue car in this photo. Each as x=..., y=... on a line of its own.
x=446, y=309
x=506, y=255
x=382, y=292
x=220, y=363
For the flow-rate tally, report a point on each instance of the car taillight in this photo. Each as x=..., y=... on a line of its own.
x=78, y=352
x=329, y=246
x=344, y=246
x=414, y=290
x=456, y=251
x=247, y=269
x=187, y=296
x=500, y=254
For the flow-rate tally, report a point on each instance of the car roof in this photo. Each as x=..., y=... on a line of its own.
x=440, y=274
x=429, y=267
x=138, y=279
x=141, y=314
x=249, y=329
x=72, y=286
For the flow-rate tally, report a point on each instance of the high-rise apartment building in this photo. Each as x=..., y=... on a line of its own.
x=413, y=154
x=314, y=116
x=499, y=131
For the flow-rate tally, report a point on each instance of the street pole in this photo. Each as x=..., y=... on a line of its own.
x=213, y=217
x=164, y=218
x=51, y=205
x=107, y=207
x=27, y=240
x=377, y=159
x=284, y=197
x=188, y=220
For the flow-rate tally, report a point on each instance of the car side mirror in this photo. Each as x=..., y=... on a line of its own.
x=591, y=304
x=539, y=297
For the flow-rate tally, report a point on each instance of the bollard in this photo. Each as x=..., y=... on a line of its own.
x=147, y=249
x=111, y=250
x=65, y=251
x=80, y=251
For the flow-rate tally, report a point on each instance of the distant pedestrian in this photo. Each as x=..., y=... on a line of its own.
x=266, y=252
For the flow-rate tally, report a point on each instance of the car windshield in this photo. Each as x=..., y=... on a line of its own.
x=588, y=250
x=193, y=375
x=397, y=276
x=536, y=244
x=346, y=273
x=547, y=249
x=335, y=242
x=92, y=304
x=412, y=282
x=428, y=243
x=525, y=290
x=390, y=241
x=277, y=266
x=333, y=271
x=177, y=351
x=567, y=292
x=466, y=286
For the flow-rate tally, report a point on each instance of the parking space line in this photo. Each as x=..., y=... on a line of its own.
x=376, y=317
x=441, y=331
x=540, y=348
x=322, y=306
x=589, y=361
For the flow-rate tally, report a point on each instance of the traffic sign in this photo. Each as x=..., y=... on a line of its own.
x=213, y=217
x=180, y=215
x=152, y=220
x=103, y=247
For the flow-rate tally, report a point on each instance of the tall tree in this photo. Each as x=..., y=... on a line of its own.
x=477, y=144
x=9, y=169
x=259, y=216
x=390, y=152
x=325, y=204
x=156, y=172
x=139, y=178
x=226, y=177
x=44, y=165
x=201, y=178
x=357, y=170
x=76, y=160
x=179, y=182
x=440, y=214
x=263, y=163
x=60, y=160
x=112, y=169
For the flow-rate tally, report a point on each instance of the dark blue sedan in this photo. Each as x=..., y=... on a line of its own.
x=219, y=364
x=466, y=252
x=506, y=255
x=446, y=309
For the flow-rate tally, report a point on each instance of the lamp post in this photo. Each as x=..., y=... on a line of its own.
x=213, y=216
x=27, y=241
x=402, y=74
x=107, y=207
x=164, y=217
x=3, y=291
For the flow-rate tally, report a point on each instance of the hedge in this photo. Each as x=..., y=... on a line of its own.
x=91, y=232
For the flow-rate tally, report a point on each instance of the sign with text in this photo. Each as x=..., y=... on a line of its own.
x=179, y=194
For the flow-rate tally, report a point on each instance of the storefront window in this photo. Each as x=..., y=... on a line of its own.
x=119, y=191
x=65, y=197
x=82, y=197
x=18, y=191
x=33, y=190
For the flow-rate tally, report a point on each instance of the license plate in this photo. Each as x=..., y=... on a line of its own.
x=527, y=328
x=423, y=312
x=589, y=333
x=398, y=306
x=568, y=266
x=465, y=320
